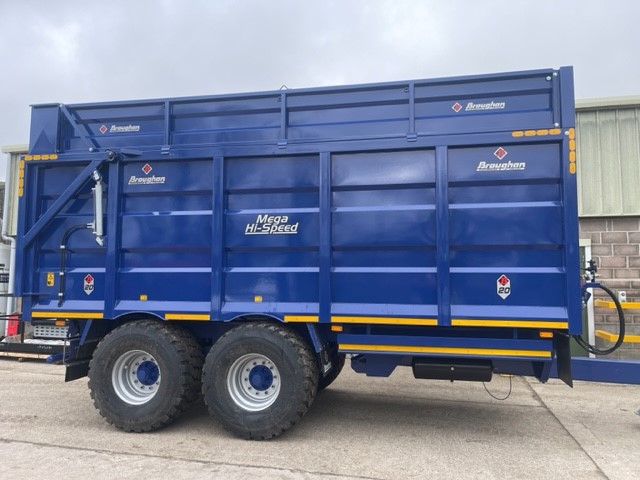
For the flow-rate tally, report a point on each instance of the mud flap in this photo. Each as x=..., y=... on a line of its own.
x=563, y=358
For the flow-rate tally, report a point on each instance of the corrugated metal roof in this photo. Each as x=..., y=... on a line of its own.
x=608, y=135
x=608, y=102
x=20, y=148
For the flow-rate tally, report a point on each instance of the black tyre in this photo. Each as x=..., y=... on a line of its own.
x=259, y=380
x=337, y=364
x=144, y=374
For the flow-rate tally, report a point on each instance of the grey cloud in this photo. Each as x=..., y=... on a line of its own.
x=82, y=51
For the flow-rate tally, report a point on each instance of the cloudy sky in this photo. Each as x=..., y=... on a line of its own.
x=71, y=51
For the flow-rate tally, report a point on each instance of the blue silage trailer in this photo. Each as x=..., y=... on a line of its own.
x=243, y=245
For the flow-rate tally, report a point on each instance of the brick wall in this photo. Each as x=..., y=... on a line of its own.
x=615, y=246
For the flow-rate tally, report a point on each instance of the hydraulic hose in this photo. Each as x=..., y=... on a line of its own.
x=63, y=258
x=592, y=348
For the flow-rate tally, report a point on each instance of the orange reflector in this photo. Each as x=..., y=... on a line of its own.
x=546, y=334
x=542, y=132
x=572, y=157
x=572, y=133
x=530, y=133
x=572, y=145
x=60, y=323
x=572, y=168
x=555, y=131
x=517, y=133
x=336, y=328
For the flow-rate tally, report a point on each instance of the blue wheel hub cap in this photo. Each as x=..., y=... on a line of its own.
x=148, y=373
x=260, y=377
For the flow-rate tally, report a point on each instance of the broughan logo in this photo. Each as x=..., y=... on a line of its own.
x=133, y=180
x=119, y=128
x=124, y=128
x=500, y=167
x=148, y=180
x=474, y=107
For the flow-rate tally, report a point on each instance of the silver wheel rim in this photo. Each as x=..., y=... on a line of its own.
x=136, y=377
x=253, y=382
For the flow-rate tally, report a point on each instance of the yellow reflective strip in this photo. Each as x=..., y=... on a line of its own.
x=613, y=337
x=542, y=132
x=385, y=320
x=529, y=133
x=67, y=314
x=301, y=318
x=452, y=350
x=572, y=157
x=555, y=131
x=28, y=157
x=610, y=304
x=517, y=133
x=53, y=156
x=187, y=316
x=572, y=133
x=37, y=157
x=572, y=145
x=572, y=168
x=45, y=157
x=464, y=322
x=21, y=164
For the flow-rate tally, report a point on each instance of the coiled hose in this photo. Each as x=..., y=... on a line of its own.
x=592, y=348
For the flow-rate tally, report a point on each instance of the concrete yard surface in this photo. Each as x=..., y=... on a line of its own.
x=360, y=427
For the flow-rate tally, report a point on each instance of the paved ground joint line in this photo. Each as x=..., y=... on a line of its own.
x=183, y=459
x=546, y=407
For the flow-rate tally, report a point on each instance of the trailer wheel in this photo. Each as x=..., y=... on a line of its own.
x=144, y=374
x=259, y=380
x=337, y=364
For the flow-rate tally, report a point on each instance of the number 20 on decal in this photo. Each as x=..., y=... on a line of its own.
x=503, y=286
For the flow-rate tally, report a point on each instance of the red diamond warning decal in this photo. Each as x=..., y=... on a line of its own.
x=503, y=287
x=147, y=169
x=103, y=129
x=500, y=153
x=88, y=284
x=456, y=107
